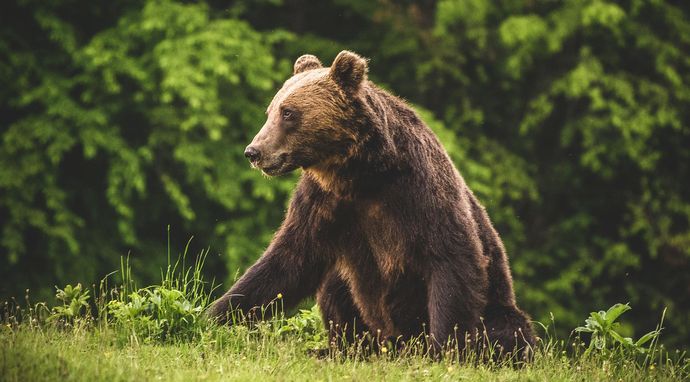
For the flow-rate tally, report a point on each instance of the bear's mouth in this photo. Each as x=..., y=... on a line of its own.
x=280, y=167
x=272, y=170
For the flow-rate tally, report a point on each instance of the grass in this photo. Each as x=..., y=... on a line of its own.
x=159, y=333
x=35, y=354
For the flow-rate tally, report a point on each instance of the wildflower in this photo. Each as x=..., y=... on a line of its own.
x=279, y=296
x=384, y=350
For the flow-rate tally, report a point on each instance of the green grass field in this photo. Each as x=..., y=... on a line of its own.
x=83, y=354
x=160, y=333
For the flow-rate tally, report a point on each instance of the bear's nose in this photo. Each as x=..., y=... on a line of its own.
x=252, y=154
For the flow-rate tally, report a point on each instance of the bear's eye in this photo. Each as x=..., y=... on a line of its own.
x=287, y=114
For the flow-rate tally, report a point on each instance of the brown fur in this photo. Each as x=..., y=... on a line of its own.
x=382, y=227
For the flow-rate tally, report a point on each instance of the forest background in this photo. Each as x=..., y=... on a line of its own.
x=569, y=119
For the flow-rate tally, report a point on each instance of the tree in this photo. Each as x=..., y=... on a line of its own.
x=111, y=134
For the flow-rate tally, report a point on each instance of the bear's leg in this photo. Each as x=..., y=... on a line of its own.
x=272, y=278
x=509, y=332
x=340, y=315
x=291, y=269
x=456, y=299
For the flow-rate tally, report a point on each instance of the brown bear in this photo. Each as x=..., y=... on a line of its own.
x=381, y=228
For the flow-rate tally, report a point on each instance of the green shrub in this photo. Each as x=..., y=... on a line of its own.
x=75, y=303
x=603, y=325
x=307, y=327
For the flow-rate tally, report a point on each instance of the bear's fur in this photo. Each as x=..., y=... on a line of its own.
x=381, y=228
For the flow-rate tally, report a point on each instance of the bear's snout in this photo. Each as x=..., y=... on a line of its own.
x=252, y=153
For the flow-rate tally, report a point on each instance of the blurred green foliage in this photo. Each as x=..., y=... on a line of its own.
x=570, y=120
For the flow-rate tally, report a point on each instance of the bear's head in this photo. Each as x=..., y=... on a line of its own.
x=314, y=119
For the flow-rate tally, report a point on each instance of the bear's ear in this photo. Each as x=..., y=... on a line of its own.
x=306, y=62
x=349, y=70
